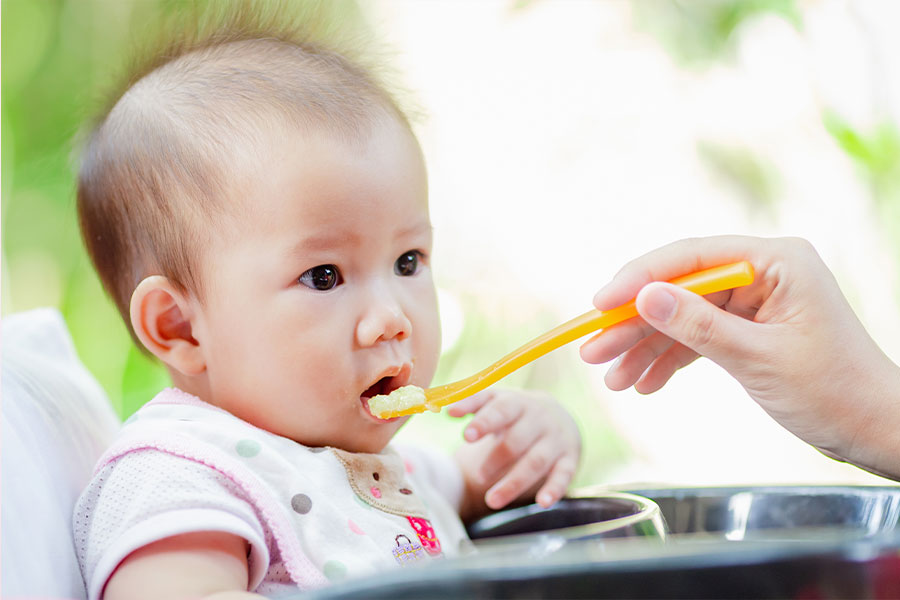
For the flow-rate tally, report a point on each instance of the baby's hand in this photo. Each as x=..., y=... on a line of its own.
x=519, y=442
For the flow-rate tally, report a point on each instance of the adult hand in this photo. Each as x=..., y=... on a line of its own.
x=790, y=338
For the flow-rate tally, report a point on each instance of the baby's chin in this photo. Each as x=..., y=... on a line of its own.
x=372, y=447
x=371, y=439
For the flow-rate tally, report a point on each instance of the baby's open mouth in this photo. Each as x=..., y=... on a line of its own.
x=385, y=385
x=391, y=380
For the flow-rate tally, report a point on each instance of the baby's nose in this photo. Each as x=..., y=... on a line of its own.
x=381, y=322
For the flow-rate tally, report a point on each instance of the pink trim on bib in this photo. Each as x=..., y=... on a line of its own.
x=302, y=571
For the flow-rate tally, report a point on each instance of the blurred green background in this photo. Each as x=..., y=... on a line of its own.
x=60, y=56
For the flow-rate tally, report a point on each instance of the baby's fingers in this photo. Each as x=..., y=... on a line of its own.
x=558, y=481
x=495, y=416
x=527, y=471
x=471, y=404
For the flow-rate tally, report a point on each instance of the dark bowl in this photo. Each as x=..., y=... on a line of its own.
x=611, y=515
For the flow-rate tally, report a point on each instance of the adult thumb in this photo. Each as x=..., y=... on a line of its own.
x=696, y=323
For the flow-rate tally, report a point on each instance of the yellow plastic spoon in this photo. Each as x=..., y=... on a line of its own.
x=410, y=399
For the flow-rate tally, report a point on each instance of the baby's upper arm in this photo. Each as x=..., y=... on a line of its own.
x=146, y=499
x=191, y=565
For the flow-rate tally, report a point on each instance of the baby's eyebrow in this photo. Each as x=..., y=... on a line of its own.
x=317, y=244
x=422, y=227
x=327, y=240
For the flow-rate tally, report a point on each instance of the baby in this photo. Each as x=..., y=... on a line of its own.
x=257, y=207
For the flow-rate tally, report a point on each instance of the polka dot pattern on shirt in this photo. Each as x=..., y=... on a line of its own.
x=247, y=448
x=301, y=503
x=334, y=570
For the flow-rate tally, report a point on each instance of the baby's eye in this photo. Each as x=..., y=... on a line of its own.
x=323, y=277
x=408, y=263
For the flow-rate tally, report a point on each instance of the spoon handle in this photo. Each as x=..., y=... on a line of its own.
x=703, y=282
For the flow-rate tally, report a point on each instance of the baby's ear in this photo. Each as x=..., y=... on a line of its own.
x=161, y=319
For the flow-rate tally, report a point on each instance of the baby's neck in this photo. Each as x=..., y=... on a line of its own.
x=196, y=385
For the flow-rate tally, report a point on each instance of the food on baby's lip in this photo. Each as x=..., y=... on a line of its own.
x=385, y=406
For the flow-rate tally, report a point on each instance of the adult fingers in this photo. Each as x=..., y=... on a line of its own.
x=662, y=369
x=615, y=340
x=633, y=363
x=696, y=323
x=670, y=261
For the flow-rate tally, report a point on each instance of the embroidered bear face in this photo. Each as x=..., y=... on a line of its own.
x=380, y=481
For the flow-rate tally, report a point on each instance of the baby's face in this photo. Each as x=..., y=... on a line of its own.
x=321, y=295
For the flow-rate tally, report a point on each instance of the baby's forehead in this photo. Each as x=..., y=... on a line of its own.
x=300, y=163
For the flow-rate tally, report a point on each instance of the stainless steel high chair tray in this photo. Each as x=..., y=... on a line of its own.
x=750, y=542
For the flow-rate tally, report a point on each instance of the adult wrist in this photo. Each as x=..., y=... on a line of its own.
x=876, y=444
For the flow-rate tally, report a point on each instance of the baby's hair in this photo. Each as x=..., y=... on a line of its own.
x=155, y=165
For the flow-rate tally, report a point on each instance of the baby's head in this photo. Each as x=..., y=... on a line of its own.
x=257, y=209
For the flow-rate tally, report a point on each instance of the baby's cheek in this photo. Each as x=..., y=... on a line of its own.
x=427, y=334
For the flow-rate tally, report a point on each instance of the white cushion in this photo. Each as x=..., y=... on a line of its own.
x=56, y=422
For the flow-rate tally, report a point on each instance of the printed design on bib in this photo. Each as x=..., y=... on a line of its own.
x=406, y=551
x=425, y=531
x=379, y=480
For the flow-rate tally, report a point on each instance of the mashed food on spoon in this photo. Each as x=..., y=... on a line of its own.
x=384, y=406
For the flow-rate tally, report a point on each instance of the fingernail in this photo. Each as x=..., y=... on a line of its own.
x=471, y=434
x=659, y=304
